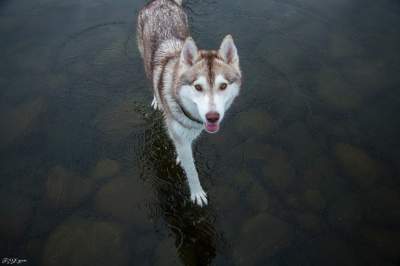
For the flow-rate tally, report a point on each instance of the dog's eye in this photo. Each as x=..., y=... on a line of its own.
x=198, y=87
x=223, y=86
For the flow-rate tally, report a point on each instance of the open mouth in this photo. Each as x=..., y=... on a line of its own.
x=211, y=127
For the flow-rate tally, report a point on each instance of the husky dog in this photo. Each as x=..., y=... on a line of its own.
x=193, y=88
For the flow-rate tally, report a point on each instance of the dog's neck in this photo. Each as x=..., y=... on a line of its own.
x=188, y=114
x=166, y=60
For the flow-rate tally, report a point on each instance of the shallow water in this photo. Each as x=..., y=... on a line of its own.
x=304, y=171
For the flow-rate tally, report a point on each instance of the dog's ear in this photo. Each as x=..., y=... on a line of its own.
x=228, y=52
x=189, y=52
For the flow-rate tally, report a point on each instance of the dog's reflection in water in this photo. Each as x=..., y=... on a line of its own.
x=192, y=226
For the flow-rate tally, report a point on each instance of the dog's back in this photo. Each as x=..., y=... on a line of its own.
x=158, y=21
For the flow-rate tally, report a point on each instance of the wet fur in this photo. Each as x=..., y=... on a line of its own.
x=174, y=64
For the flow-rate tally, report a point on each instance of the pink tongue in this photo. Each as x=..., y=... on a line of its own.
x=212, y=128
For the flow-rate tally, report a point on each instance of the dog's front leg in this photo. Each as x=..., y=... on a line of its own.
x=185, y=154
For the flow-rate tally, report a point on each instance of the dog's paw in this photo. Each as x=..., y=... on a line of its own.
x=199, y=197
x=154, y=103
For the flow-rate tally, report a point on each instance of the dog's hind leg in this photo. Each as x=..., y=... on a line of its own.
x=154, y=103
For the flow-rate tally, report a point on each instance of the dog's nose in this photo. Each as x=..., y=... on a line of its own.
x=212, y=117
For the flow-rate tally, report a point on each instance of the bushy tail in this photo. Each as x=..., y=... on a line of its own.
x=179, y=2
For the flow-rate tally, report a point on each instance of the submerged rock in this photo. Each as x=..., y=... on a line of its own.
x=314, y=200
x=118, y=122
x=261, y=236
x=278, y=171
x=106, y=168
x=84, y=242
x=357, y=164
x=257, y=122
x=65, y=189
x=18, y=121
x=125, y=198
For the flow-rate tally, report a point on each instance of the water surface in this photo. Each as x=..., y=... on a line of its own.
x=305, y=170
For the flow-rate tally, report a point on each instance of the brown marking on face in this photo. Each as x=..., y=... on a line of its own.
x=231, y=74
x=210, y=64
x=209, y=58
x=220, y=67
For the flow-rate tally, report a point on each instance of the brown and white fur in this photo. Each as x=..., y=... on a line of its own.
x=193, y=88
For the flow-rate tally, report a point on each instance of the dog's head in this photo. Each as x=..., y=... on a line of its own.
x=208, y=81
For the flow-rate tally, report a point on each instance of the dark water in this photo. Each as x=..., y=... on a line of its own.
x=304, y=172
